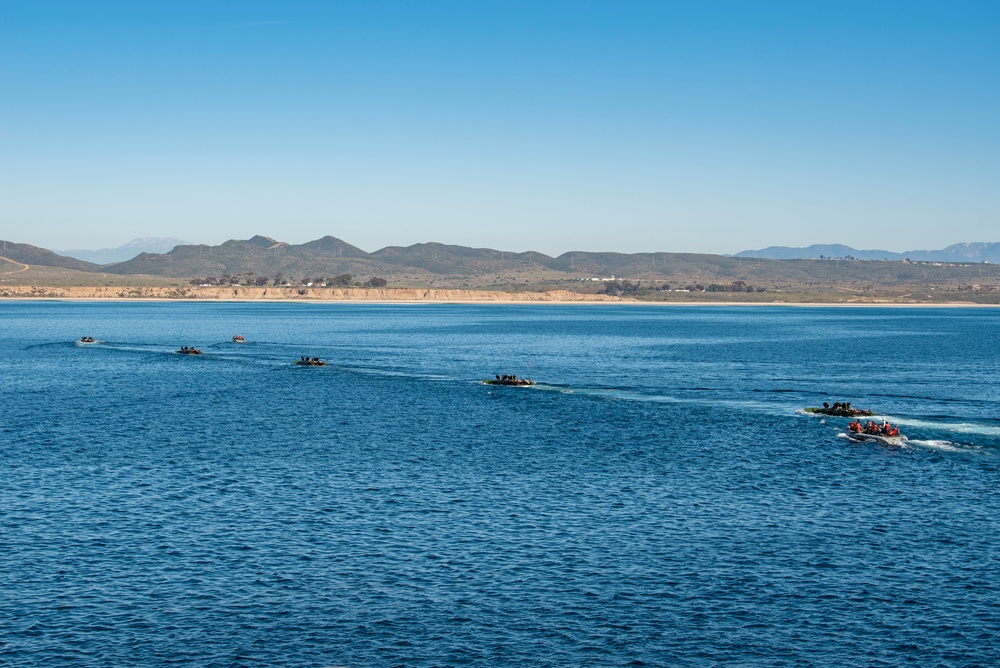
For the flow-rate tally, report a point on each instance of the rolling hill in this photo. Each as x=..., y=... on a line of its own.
x=32, y=255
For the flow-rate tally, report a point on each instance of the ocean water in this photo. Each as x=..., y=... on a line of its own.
x=656, y=500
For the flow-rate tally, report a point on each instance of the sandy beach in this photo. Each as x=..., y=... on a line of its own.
x=251, y=293
x=398, y=295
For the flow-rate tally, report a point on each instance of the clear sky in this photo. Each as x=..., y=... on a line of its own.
x=701, y=126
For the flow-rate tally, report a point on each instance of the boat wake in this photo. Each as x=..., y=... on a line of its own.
x=944, y=446
x=939, y=445
x=622, y=394
x=970, y=428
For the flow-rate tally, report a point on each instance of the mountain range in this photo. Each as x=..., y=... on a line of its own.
x=265, y=256
x=967, y=252
x=441, y=265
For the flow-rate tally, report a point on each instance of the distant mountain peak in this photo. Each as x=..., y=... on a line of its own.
x=335, y=246
x=155, y=245
x=261, y=240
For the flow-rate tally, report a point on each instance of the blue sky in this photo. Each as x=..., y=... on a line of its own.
x=703, y=126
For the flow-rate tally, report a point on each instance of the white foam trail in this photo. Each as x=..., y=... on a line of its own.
x=930, y=444
x=954, y=427
x=627, y=395
x=944, y=446
x=902, y=444
x=971, y=428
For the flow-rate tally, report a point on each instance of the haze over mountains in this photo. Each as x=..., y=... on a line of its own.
x=127, y=251
x=441, y=258
x=967, y=252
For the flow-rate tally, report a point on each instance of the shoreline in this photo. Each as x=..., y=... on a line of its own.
x=287, y=294
x=252, y=294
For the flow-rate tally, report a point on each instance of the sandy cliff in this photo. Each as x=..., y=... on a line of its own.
x=242, y=293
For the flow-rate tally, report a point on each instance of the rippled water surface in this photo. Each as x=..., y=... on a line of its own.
x=655, y=500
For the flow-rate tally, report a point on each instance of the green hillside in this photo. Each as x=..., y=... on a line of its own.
x=33, y=255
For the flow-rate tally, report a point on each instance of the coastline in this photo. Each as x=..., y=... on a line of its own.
x=289, y=294
x=398, y=296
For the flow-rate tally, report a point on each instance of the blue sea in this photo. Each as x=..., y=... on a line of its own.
x=657, y=499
